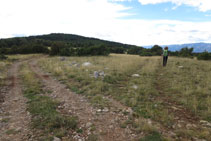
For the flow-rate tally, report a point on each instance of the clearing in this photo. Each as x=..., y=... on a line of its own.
x=114, y=98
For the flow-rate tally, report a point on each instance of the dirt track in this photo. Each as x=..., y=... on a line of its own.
x=107, y=123
x=14, y=124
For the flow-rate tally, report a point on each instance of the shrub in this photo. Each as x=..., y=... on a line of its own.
x=204, y=56
x=3, y=57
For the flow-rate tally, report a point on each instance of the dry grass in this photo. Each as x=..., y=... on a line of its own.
x=45, y=117
x=4, y=65
x=188, y=85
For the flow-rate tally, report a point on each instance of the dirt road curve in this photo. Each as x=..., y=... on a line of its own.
x=14, y=120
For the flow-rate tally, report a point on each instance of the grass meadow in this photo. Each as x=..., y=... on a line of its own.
x=184, y=81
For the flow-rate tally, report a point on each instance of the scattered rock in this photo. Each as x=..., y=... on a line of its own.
x=205, y=123
x=129, y=110
x=172, y=134
x=56, y=139
x=135, y=75
x=88, y=124
x=62, y=58
x=105, y=110
x=111, y=126
x=75, y=64
x=179, y=125
x=189, y=126
x=99, y=110
x=196, y=139
x=96, y=74
x=16, y=99
x=149, y=122
x=135, y=87
x=174, y=108
x=102, y=73
x=99, y=74
x=60, y=107
x=86, y=64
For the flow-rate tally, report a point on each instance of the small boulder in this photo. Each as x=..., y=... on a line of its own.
x=62, y=58
x=86, y=64
x=135, y=87
x=205, y=123
x=56, y=139
x=99, y=110
x=88, y=124
x=96, y=74
x=105, y=110
x=102, y=73
x=135, y=75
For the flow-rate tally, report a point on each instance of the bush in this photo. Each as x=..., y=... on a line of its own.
x=186, y=52
x=204, y=56
x=146, y=53
x=93, y=51
x=3, y=57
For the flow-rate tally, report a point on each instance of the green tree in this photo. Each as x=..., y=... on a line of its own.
x=186, y=52
x=156, y=50
x=204, y=56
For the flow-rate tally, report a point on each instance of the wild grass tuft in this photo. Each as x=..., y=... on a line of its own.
x=43, y=109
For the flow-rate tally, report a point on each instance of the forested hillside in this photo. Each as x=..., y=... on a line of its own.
x=63, y=44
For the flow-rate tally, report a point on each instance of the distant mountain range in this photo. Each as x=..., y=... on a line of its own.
x=198, y=47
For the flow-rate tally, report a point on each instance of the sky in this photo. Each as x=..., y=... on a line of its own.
x=136, y=22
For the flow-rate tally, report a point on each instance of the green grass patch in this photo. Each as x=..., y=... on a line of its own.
x=12, y=131
x=154, y=136
x=43, y=109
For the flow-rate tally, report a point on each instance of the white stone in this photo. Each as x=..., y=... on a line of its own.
x=96, y=74
x=135, y=75
x=56, y=139
x=99, y=110
x=86, y=64
x=135, y=87
x=102, y=73
x=88, y=124
x=105, y=110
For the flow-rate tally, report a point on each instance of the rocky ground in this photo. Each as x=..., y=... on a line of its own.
x=97, y=124
x=14, y=118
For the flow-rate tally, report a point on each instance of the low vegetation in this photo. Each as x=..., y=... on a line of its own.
x=6, y=62
x=204, y=56
x=43, y=109
x=132, y=80
x=189, y=84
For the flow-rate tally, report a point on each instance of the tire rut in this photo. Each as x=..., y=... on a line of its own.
x=180, y=112
x=107, y=124
x=15, y=120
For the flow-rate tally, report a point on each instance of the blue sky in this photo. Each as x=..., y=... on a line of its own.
x=137, y=22
x=167, y=11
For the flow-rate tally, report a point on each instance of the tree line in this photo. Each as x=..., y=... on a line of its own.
x=74, y=45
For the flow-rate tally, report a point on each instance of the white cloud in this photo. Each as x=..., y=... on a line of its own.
x=93, y=18
x=202, y=5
